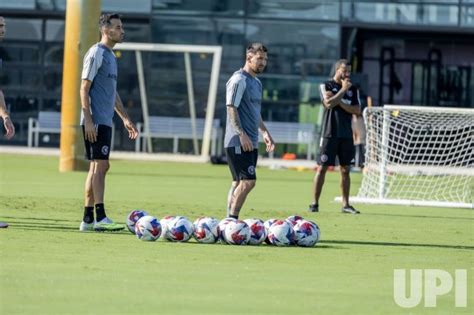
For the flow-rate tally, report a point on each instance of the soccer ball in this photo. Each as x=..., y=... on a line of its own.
x=257, y=231
x=237, y=233
x=307, y=233
x=205, y=230
x=132, y=219
x=281, y=233
x=164, y=225
x=267, y=225
x=148, y=228
x=221, y=229
x=180, y=229
x=293, y=219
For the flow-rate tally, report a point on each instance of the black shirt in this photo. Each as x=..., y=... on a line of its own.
x=336, y=121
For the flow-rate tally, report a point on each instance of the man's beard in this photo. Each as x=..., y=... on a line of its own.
x=259, y=69
x=117, y=40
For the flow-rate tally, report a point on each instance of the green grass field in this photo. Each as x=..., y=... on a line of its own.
x=48, y=267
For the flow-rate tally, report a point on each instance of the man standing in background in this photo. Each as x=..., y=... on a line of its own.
x=341, y=101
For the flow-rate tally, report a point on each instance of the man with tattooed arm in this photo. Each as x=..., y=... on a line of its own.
x=244, y=121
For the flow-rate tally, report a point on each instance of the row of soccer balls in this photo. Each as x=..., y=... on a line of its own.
x=294, y=230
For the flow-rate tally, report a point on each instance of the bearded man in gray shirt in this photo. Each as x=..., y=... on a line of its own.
x=99, y=100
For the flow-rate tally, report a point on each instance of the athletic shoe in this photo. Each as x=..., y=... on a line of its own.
x=313, y=208
x=3, y=225
x=84, y=227
x=349, y=209
x=107, y=225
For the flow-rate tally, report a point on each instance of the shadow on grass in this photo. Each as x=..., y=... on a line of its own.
x=199, y=176
x=368, y=243
x=55, y=227
x=323, y=244
x=262, y=245
x=38, y=219
x=71, y=229
x=419, y=216
x=165, y=175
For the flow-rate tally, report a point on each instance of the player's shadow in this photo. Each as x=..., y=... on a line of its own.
x=74, y=229
x=163, y=175
x=41, y=227
x=370, y=243
x=419, y=216
x=217, y=176
x=37, y=219
x=263, y=245
x=38, y=226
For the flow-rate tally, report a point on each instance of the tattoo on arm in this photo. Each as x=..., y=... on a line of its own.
x=262, y=127
x=235, y=119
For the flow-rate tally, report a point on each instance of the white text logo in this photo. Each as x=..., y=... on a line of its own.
x=431, y=283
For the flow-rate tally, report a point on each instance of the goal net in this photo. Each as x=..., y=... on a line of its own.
x=418, y=156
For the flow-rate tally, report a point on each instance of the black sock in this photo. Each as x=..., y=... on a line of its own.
x=234, y=217
x=100, y=211
x=88, y=215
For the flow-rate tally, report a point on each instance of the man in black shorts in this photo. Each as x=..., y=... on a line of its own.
x=340, y=100
x=244, y=120
x=99, y=100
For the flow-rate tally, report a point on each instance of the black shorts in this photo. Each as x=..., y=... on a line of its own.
x=242, y=164
x=343, y=148
x=99, y=150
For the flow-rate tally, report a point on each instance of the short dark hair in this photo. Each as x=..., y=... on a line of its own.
x=253, y=48
x=105, y=18
x=341, y=62
x=338, y=64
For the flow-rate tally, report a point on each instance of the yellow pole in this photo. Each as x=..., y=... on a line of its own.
x=81, y=33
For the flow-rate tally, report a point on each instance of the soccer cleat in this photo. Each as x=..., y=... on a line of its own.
x=107, y=225
x=84, y=227
x=313, y=208
x=349, y=209
x=3, y=225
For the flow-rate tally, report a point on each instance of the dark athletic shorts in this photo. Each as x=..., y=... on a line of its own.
x=99, y=150
x=242, y=164
x=343, y=148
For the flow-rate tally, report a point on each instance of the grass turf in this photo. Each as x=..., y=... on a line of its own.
x=48, y=267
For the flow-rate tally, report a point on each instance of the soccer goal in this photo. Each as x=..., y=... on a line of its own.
x=216, y=51
x=418, y=156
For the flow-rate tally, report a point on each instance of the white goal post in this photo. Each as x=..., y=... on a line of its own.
x=418, y=156
x=211, y=99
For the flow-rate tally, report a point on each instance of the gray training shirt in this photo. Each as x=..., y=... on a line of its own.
x=245, y=93
x=100, y=67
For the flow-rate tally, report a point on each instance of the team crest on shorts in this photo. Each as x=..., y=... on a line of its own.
x=105, y=150
x=251, y=170
x=324, y=158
